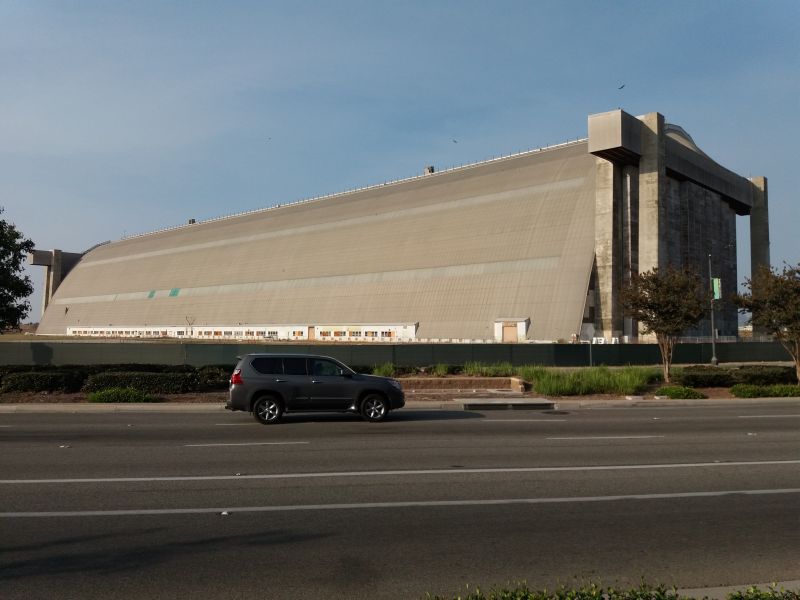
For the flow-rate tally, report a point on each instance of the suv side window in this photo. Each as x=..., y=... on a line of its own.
x=319, y=366
x=294, y=366
x=268, y=365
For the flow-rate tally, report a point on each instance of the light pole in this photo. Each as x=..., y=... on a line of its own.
x=714, y=360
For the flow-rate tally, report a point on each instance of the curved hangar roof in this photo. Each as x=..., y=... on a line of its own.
x=453, y=251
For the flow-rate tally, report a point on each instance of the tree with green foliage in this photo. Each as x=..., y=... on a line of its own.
x=773, y=302
x=14, y=286
x=666, y=302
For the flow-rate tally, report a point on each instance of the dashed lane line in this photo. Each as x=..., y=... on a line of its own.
x=245, y=444
x=228, y=511
x=608, y=437
x=766, y=416
x=523, y=420
x=334, y=474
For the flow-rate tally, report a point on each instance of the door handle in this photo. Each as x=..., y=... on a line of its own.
x=280, y=381
x=315, y=381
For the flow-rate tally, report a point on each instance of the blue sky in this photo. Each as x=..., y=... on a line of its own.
x=120, y=118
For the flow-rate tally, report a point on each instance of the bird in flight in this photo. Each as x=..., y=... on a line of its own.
x=620, y=87
x=455, y=141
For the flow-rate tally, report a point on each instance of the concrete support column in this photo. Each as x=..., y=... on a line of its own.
x=58, y=264
x=759, y=225
x=630, y=236
x=759, y=231
x=652, y=189
x=53, y=276
x=608, y=248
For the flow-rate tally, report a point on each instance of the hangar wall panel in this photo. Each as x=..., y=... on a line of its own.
x=453, y=251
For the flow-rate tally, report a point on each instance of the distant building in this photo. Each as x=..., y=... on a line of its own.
x=530, y=247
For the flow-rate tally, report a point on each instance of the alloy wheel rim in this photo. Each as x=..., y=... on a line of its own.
x=375, y=409
x=268, y=411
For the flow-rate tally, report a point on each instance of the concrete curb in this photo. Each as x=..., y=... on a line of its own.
x=653, y=403
x=455, y=404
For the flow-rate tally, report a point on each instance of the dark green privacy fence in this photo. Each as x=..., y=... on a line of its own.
x=558, y=355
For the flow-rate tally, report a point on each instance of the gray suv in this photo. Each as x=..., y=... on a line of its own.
x=269, y=385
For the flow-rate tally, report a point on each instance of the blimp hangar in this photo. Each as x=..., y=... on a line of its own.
x=530, y=247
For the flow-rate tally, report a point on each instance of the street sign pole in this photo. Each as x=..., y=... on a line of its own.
x=714, y=360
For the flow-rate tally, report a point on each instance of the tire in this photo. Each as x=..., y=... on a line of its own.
x=374, y=408
x=267, y=410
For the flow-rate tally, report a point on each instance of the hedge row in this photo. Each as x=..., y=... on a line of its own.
x=679, y=392
x=595, y=592
x=702, y=376
x=151, y=383
x=181, y=380
x=116, y=395
x=56, y=381
x=744, y=390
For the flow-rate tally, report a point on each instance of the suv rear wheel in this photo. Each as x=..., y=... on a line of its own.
x=374, y=408
x=267, y=410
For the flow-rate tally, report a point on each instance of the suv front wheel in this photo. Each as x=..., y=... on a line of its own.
x=267, y=410
x=374, y=408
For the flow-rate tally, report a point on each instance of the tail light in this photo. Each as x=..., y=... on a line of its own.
x=236, y=378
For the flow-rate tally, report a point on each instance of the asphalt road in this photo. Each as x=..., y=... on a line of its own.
x=213, y=505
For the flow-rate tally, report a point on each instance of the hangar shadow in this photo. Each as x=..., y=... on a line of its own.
x=68, y=556
x=400, y=416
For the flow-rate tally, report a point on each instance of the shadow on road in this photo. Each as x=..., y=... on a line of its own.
x=126, y=557
x=399, y=416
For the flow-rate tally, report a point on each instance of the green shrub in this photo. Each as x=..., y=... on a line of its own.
x=590, y=592
x=771, y=593
x=679, y=392
x=153, y=383
x=594, y=592
x=746, y=390
x=214, y=377
x=590, y=380
x=53, y=381
x=784, y=391
x=530, y=373
x=384, y=370
x=119, y=394
x=705, y=377
x=477, y=369
x=441, y=370
x=765, y=375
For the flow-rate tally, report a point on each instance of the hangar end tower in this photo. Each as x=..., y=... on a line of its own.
x=660, y=200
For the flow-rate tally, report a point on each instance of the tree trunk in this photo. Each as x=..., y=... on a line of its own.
x=666, y=344
x=793, y=348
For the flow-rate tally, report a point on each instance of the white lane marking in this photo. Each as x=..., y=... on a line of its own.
x=4, y=426
x=245, y=444
x=608, y=437
x=523, y=420
x=754, y=463
x=766, y=416
x=233, y=424
x=410, y=504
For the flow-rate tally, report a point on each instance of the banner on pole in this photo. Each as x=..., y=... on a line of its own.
x=717, y=285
